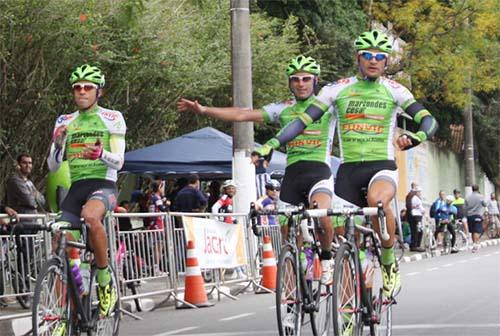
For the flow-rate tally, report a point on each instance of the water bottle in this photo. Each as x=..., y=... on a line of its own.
x=85, y=272
x=77, y=276
x=309, y=256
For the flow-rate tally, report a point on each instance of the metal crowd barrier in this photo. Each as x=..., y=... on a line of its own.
x=149, y=263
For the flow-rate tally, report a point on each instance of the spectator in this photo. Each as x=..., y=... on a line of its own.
x=190, y=198
x=156, y=223
x=214, y=193
x=124, y=223
x=493, y=212
x=405, y=225
x=438, y=203
x=261, y=178
x=474, y=209
x=444, y=221
x=415, y=219
x=21, y=194
x=459, y=203
x=268, y=202
x=225, y=203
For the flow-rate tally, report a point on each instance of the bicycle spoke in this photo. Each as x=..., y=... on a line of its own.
x=288, y=301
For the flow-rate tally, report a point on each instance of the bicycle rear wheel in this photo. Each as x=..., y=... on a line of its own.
x=491, y=230
x=347, y=314
x=322, y=319
x=383, y=308
x=461, y=242
x=103, y=325
x=51, y=308
x=288, y=294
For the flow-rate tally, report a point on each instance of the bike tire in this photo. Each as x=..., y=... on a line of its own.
x=383, y=309
x=491, y=231
x=321, y=320
x=288, y=294
x=51, y=308
x=446, y=243
x=347, y=313
x=103, y=326
x=461, y=242
x=20, y=286
x=399, y=250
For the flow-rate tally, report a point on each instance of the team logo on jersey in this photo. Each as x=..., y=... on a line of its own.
x=393, y=84
x=64, y=118
x=111, y=116
x=363, y=128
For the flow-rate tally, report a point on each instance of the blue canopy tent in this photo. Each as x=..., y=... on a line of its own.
x=207, y=152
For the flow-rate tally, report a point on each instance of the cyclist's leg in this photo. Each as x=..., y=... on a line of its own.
x=382, y=188
x=451, y=228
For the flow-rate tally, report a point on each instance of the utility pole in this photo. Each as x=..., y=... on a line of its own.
x=243, y=169
x=470, y=174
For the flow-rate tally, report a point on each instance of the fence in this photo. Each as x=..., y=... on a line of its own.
x=148, y=262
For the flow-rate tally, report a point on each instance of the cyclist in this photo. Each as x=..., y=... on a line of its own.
x=269, y=202
x=309, y=153
x=92, y=139
x=445, y=216
x=366, y=106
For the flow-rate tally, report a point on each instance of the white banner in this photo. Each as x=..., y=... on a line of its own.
x=217, y=244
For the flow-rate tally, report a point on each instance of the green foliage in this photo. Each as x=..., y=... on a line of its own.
x=451, y=46
x=152, y=52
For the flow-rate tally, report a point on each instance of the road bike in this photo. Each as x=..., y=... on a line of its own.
x=298, y=291
x=58, y=306
x=461, y=241
x=356, y=303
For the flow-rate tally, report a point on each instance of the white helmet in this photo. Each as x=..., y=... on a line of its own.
x=450, y=198
x=228, y=183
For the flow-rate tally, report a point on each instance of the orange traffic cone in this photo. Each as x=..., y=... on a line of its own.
x=194, y=292
x=316, y=267
x=269, y=268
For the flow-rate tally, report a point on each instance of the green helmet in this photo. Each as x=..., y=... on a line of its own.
x=373, y=40
x=303, y=63
x=89, y=73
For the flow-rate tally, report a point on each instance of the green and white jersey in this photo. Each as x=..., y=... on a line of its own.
x=366, y=112
x=85, y=129
x=315, y=142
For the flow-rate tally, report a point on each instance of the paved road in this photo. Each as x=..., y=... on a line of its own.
x=449, y=295
x=455, y=295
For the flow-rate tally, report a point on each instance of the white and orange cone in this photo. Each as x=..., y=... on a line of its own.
x=269, y=268
x=194, y=292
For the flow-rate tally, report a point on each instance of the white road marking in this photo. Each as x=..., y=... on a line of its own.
x=446, y=326
x=173, y=332
x=447, y=265
x=476, y=258
x=236, y=317
x=433, y=269
x=488, y=255
x=462, y=261
x=413, y=273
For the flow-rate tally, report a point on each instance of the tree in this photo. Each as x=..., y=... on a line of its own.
x=152, y=52
x=452, y=45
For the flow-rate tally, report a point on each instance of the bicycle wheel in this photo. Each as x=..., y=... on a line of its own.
x=51, y=308
x=103, y=325
x=491, y=231
x=288, y=294
x=461, y=242
x=447, y=242
x=383, y=309
x=20, y=285
x=399, y=250
x=321, y=319
x=347, y=312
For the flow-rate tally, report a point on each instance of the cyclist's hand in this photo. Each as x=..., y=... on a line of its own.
x=11, y=212
x=409, y=140
x=93, y=152
x=59, y=136
x=184, y=105
x=264, y=152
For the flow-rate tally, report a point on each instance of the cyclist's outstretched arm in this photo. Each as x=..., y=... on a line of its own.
x=222, y=113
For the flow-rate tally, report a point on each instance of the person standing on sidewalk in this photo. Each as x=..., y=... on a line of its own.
x=493, y=212
x=415, y=220
x=474, y=208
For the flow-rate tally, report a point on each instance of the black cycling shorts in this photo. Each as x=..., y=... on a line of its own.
x=85, y=190
x=353, y=177
x=304, y=178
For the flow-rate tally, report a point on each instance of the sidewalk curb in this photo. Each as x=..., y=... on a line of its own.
x=424, y=255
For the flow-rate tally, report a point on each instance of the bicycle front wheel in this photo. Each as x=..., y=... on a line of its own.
x=461, y=242
x=347, y=313
x=51, y=307
x=288, y=294
x=383, y=309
